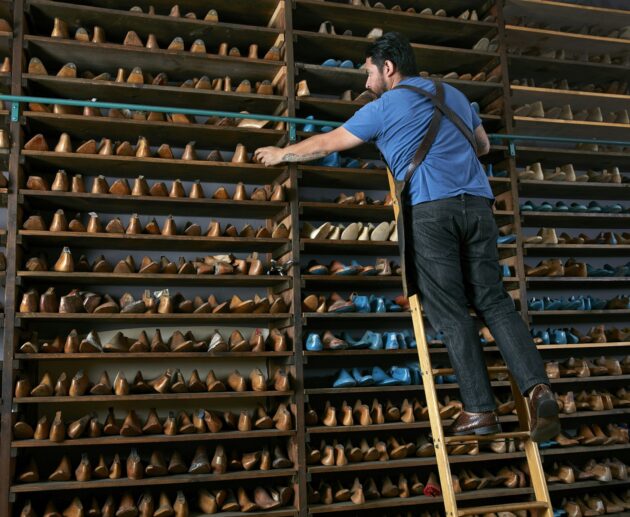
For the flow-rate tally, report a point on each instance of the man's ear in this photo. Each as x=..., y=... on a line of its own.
x=389, y=68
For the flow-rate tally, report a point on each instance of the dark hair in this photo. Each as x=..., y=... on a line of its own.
x=396, y=48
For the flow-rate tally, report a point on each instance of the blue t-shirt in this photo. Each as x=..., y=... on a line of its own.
x=399, y=119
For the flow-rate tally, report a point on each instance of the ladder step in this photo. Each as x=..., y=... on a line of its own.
x=512, y=507
x=485, y=437
x=450, y=371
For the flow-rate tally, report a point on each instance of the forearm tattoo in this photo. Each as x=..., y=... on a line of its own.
x=292, y=157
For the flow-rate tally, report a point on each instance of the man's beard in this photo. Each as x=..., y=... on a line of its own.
x=382, y=88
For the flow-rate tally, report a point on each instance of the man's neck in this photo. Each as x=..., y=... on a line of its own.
x=397, y=80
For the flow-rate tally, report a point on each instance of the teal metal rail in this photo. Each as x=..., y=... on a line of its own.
x=16, y=100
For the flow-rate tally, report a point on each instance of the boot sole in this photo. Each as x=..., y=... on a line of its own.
x=548, y=421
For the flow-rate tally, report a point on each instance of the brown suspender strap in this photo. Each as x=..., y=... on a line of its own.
x=430, y=135
x=448, y=112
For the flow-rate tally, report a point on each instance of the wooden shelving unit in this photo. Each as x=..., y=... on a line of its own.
x=442, y=44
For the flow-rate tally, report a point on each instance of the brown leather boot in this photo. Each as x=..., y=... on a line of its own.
x=544, y=413
x=475, y=423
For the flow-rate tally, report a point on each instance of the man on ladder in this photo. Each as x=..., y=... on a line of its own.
x=430, y=138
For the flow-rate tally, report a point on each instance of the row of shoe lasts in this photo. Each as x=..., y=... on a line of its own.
x=578, y=303
x=573, y=367
x=567, y=173
x=359, y=198
x=262, y=498
x=356, y=303
x=302, y=90
x=614, y=87
x=492, y=76
x=596, y=334
x=562, y=54
x=382, y=267
x=572, y=268
x=590, y=435
x=361, y=491
x=326, y=27
x=604, y=471
x=178, y=342
x=394, y=376
x=369, y=340
x=137, y=76
x=353, y=232
x=160, y=302
x=592, y=504
x=208, y=265
x=142, y=150
x=157, y=116
x=577, y=207
x=593, y=30
x=468, y=14
x=549, y=236
x=537, y=110
x=339, y=455
x=171, y=381
x=157, y=466
x=59, y=223
x=132, y=39
x=200, y=421
x=379, y=412
x=121, y=187
x=594, y=401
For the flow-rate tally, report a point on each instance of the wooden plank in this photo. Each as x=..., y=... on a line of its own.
x=506, y=507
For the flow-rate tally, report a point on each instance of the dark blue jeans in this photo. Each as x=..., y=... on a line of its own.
x=457, y=265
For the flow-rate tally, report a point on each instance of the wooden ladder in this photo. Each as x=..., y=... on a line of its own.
x=541, y=506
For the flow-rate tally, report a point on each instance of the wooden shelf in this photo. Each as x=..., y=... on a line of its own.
x=164, y=27
x=548, y=38
x=571, y=128
x=85, y=202
x=577, y=190
x=620, y=313
x=153, y=397
x=578, y=250
x=545, y=11
x=394, y=427
x=577, y=99
x=319, y=211
x=158, y=356
x=230, y=10
x=308, y=316
x=83, y=128
x=319, y=281
x=109, y=91
x=363, y=352
x=545, y=69
x=583, y=486
x=330, y=247
x=376, y=466
x=152, y=438
x=108, y=57
x=333, y=81
x=51, y=486
x=555, y=281
x=155, y=318
x=342, y=178
x=311, y=46
x=575, y=220
x=395, y=502
x=79, y=278
x=155, y=168
x=151, y=242
x=431, y=29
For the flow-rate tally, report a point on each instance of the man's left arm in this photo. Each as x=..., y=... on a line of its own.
x=312, y=148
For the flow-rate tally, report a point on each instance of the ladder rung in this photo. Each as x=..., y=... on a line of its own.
x=512, y=507
x=450, y=371
x=485, y=437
